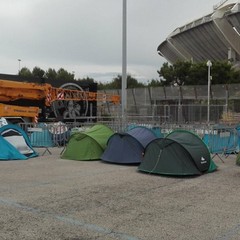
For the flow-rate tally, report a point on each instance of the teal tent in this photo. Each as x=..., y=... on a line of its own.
x=15, y=144
x=180, y=153
x=9, y=152
x=88, y=145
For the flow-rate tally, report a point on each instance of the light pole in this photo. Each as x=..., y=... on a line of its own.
x=124, y=59
x=209, y=64
x=19, y=65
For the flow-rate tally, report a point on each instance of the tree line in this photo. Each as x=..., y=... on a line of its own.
x=177, y=74
x=188, y=73
x=52, y=74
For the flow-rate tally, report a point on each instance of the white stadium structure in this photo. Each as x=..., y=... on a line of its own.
x=215, y=36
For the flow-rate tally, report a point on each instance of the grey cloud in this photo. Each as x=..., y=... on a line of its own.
x=78, y=33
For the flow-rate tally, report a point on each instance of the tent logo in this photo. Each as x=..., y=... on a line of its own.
x=203, y=160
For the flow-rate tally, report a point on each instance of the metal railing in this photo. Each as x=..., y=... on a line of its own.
x=220, y=139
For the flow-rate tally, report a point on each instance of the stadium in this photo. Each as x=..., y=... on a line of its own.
x=215, y=37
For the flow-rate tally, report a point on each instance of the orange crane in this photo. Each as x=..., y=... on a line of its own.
x=11, y=91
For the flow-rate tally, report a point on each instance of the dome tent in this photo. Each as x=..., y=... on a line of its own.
x=9, y=152
x=15, y=144
x=128, y=148
x=180, y=153
x=155, y=129
x=88, y=145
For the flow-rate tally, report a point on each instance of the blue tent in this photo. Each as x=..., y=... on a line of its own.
x=156, y=130
x=15, y=143
x=128, y=148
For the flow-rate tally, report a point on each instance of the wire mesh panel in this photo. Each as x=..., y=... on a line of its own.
x=188, y=113
x=157, y=93
x=202, y=92
x=172, y=92
x=234, y=91
x=189, y=92
x=131, y=98
x=141, y=96
x=219, y=91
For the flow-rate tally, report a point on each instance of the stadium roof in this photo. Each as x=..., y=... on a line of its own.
x=215, y=36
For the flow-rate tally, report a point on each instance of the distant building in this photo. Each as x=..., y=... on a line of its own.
x=215, y=36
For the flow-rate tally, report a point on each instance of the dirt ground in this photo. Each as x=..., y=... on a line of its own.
x=51, y=198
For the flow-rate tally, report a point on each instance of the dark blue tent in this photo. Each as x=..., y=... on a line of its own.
x=128, y=148
x=156, y=130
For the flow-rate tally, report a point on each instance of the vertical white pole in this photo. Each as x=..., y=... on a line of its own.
x=209, y=64
x=124, y=60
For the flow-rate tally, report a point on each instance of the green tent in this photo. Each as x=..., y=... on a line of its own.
x=88, y=145
x=180, y=153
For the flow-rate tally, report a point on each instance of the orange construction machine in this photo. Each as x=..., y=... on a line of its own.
x=11, y=92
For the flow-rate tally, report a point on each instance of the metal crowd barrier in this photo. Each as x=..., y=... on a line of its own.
x=47, y=135
x=220, y=139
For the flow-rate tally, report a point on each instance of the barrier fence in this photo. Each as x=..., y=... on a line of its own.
x=220, y=139
x=178, y=113
x=180, y=104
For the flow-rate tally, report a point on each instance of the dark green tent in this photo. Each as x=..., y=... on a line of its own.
x=180, y=153
x=88, y=145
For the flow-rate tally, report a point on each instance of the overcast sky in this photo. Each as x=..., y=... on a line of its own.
x=85, y=36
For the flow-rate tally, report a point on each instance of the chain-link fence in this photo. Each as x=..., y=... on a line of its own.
x=179, y=104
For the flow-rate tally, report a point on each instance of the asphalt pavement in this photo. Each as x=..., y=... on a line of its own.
x=51, y=198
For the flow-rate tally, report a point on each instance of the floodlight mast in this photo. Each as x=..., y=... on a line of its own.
x=124, y=60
